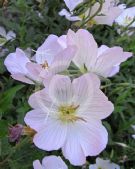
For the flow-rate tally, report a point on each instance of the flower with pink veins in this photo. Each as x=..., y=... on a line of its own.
x=51, y=58
x=50, y=162
x=103, y=61
x=68, y=115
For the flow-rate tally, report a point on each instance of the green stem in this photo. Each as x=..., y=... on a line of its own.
x=126, y=28
x=95, y=14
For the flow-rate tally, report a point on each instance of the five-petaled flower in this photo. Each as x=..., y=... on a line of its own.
x=68, y=115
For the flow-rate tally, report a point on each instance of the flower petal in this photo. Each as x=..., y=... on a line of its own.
x=2, y=32
x=60, y=90
x=34, y=71
x=52, y=136
x=62, y=60
x=71, y=4
x=83, y=88
x=16, y=62
x=36, y=119
x=72, y=148
x=108, y=59
x=86, y=54
x=99, y=107
x=94, y=137
x=48, y=50
x=69, y=16
x=37, y=164
x=11, y=35
x=54, y=162
x=22, y=78
x=40, y=100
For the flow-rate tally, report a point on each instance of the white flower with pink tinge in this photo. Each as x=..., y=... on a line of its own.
x=133, y=126
x=50, y=162
x=103, y=61
x=52, y=57
x=127, y=17
x=104, y=164
x=68, y=115
x=5, y=37
x=109, y=12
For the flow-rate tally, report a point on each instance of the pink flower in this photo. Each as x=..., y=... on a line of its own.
x=103, y=61
x=106, y=16
x=22, y=69
x=68, y=115
x=104, y=164
x=109, y=12
x=50, y=162
x=127, y=17
x=51, y=58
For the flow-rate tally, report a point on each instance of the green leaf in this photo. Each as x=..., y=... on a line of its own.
x=3, y=128
x=2, y=67
x=6, y=98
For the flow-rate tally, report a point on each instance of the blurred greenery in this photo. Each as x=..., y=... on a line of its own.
x=33, y=22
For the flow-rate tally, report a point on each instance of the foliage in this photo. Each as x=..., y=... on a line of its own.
x=22, y=16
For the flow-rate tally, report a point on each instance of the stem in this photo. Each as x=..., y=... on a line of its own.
x=95, y=14
x=126, y=28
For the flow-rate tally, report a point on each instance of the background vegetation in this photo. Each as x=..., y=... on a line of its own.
x=22, y=16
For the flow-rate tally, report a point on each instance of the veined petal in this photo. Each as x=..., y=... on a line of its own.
x=22, y=78
x=48, y=50
x=108, y=59
x=40, y=100
x=62, y=60
x=109, y=17
x=36, y=119
x=34, y=71
x=54, y=162
x=86, y=54
x=52, y=137
x=83, y=88
x=60, y=90
x=99, y=107
x=93, y=137
x=72, y=148
x=16, y=62
x=62, y=40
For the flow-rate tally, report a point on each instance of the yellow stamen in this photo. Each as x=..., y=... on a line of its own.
x=45, y=65
x=68, y=113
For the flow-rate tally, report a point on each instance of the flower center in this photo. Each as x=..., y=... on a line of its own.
x=45, y=65
x=128, y=20
x=68, y=113
x=83, y=69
